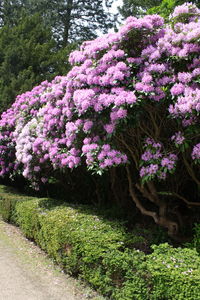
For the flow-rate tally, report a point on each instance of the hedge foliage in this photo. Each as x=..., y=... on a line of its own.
x=8, y=199
x=101, y=252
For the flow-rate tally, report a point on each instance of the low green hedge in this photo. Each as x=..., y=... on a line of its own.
x=175, y=273
x=85, y=244
x=103, y=254
x=8, y=199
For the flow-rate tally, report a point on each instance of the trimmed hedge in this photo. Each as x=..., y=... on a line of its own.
x=175, y=273
x=102, y=253
x=8, y=199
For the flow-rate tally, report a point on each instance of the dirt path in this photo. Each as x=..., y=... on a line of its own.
x=26, y=273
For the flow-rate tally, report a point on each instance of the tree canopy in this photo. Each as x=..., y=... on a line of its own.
x=37, y=36
x=70, y=20
x=28, y=55
x=137, y=7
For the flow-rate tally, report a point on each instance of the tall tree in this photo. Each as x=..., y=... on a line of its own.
x=137, y=7
x=28, y=56
x=10, y=11
x=77, y=20
x=70, y=20
x=34, y=48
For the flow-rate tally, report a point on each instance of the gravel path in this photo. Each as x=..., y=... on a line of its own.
x=26, y=273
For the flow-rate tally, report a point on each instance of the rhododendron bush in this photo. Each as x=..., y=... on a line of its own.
x=132, y=98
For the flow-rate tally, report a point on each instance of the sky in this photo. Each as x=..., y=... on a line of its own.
x=114, y=10
x=115, y=4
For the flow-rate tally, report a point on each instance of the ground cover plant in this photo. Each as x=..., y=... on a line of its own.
x=132, y=98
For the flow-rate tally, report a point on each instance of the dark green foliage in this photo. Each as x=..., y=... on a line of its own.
x=28, y=56
x=196, y=240
x=70, y=21
x=166, y=7
x=195, y=243
x=103, y=254
x=137, y=7
x=73, y=20
x=10, y=11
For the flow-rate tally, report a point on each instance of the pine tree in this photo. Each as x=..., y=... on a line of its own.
x=10, y=11
x=28, y=56
x=70, y=20
x=137, y=7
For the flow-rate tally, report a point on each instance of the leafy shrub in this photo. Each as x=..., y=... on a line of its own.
x=81, y=242
x=175, y=273
x=8, y=199
x=127, y=275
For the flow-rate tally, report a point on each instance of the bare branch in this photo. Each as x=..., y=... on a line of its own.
x=185, y=200
x=134, y=197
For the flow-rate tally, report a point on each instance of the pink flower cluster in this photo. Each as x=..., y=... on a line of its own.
x=74, y=119
x=155, y=163
x=196, y=153
x=102, y=156
x=185, y=9
x=178, y=138
x=187, y=104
